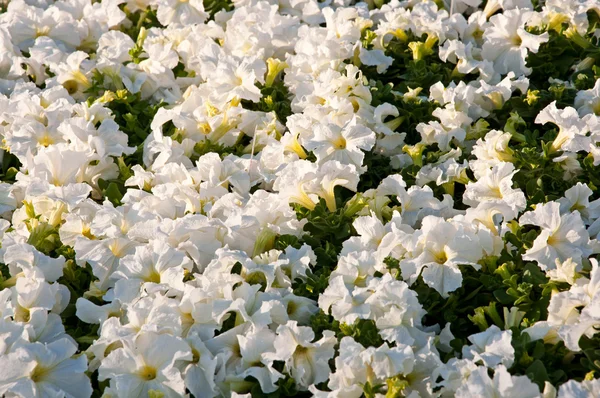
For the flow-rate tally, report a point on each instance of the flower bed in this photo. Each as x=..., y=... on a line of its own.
x=299, y=198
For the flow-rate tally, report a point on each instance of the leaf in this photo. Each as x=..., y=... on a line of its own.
x=113, y=193
x=537, y=373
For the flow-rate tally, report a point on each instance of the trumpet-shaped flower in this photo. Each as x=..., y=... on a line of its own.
x=45, y=370
x=440, y=247
x=502, y=385
x=178, y=11
x=153, y=267
x=507, y=42
x=148, y=362
x=561, y=237
x=572, y=129
x=588, y=101
x=304, y=359
x=344, y=144
x=496, y=185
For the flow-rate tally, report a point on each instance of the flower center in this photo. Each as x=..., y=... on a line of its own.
x=300, y=350
x=577, y=206
x=87, y=232
x=339, y=143
x=42, y=31
x=291, y=308
x=361, y=281
x=22, y=314
x=154, y=276
x=440, y=257
x=553, y=240
x=116, y=249
x=596, y=107
x=45, y=140
x=495, y=192
x=237, y=350
x=147, y=373
x=38, y=373
x=195, y=355
x=71, y=86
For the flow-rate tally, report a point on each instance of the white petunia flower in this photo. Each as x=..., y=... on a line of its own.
x=578, y=198
x=440, y=246
x=588, y=101
x=152, y=268
x=179, y=11
x=147, y=362
x=492, y=347
x=579, y=389
x=562, y=236
x=45, y=370
x=503, y=385
x=507, y=42
x=344, y=144
x=572, y=129
x=306, y=361
x=496, y=185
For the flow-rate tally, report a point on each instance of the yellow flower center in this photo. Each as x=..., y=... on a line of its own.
x=204, y=128
x=71, y=86
x=495, y=192
x=38, y=373
x=596, y=107
x=300, y=350
x=154, y=277
x=22, y=314
x=553, y=240
x=291, y=308
x=196, y=356
x=211, y=110
x=147, y=373
x=45, y=140
x=86, y=231
x=42, y=31
x=339, y=143
x=440, y=257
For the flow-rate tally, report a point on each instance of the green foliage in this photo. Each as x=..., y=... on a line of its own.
x=214, y=6
x=140, y=19
x=363, y=331
x=540, y=362
x=553, y=60
x=77, y=280
x=10, y=167
x=408, y=72
x=326, y=231
x=275, y=98
x=112, y=190
x=203, y=147
x=44, y=237
x=502, y=284
x=479, y=302
x=286, y=388
x=403, y=75
x=134, y=116
x=378, y=167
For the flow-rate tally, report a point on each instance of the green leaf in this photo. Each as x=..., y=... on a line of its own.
x=113, y=194
x=537, y=373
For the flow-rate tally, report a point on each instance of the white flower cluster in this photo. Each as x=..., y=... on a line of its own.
x=196, y=272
